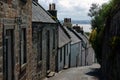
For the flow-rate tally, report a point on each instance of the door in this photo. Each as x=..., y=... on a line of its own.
x=9, y=55
x=48, y=51
x=64, y=56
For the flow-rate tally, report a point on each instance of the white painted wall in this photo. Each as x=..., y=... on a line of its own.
x=75, y=52
x=65, y=53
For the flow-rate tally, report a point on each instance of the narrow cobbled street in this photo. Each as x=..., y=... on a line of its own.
x=79, y=73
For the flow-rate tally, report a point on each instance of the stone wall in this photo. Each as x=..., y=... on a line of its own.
x=42, y=29
x=15, y=14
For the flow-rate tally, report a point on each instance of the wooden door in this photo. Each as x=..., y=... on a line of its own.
x=9, y=55
x=64, y=56
x=48, y=51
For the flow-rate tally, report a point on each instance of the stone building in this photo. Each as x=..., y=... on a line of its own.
x=45, y=34
x=87, y=54
x=75, y=44
x=16, y=54
x=75, y=49
x=64, y=48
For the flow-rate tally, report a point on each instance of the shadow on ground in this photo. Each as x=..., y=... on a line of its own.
x=95, y=73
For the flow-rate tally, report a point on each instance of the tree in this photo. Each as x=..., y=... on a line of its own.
x=98, y=16
x=93, y=11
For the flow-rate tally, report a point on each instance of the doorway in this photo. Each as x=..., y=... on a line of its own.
x=9, y=54
x=48, y=51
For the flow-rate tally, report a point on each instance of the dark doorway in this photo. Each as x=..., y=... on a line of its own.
x=48, y=51
x=9, y=55
x=69, y=59
x=56, y=62
x=64, y=56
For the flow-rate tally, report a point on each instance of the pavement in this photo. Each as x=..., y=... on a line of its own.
x=78, y=73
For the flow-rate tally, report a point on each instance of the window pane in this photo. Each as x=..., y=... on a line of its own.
x=23, y=46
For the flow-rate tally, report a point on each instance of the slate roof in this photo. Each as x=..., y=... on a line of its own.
x=39, y=14
x=74, y=38
x=63, y=38
x=83, y=38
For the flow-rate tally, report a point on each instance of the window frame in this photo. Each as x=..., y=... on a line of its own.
x=39, y=45
x=23, y=65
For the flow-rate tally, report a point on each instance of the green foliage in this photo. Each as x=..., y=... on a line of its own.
x=99, y=14
x=93, y=36
x=93, y=10
x=87, y=33
x=115, y=42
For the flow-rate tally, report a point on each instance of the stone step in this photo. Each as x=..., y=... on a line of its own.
x=65, y=67
x=48, y=71
x=51, y=74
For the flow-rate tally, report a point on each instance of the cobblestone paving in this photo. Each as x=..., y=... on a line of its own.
x=79, y=73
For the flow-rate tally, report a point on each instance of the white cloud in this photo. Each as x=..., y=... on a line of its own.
x=76, y=9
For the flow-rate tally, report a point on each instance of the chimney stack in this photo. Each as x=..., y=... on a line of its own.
x=78, y=28
x=67, y=22
x=52, y=10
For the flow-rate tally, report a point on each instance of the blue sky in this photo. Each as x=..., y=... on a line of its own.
x=74, y=9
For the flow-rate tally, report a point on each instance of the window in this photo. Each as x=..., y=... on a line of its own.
x=39, y=45
x=54, y=39
x=60, y=54
x=67, y=49
x=23, y=55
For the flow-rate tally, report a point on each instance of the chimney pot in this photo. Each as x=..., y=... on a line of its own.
x=52, y=11
x=53, y=6
x=49, y=6
x=67, y=22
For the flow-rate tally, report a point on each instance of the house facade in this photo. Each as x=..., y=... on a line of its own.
x=64, y=46
x=87, y=54
x=45, y=34
x=15, y=40
x=75, y=49
x=75, y=44
x=33, y=44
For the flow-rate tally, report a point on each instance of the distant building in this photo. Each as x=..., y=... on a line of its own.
x=88, y=54
x=67, y=22
x=15, y=40
x=45, y=39
x=75, y=49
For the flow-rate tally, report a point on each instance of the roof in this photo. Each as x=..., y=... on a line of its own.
x=74, y=38
x=63, y=38
x=83, y=38
x=39, y=14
